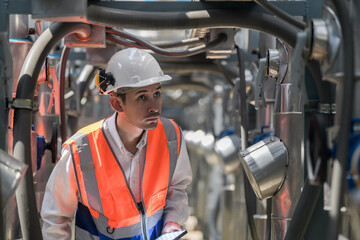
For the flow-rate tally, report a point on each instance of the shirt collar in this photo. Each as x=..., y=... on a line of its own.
x=111, y=124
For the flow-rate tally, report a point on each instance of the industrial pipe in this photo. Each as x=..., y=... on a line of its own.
x=193, y=19
x=64, y=57
x=25, y=194
x=250, y=199
x=303, y=211
x=281, y=14
x=182, y=43
x=346, y=109
x=208, y=18
x=156, y=49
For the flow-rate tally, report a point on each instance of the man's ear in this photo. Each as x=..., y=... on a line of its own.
x=115, y=104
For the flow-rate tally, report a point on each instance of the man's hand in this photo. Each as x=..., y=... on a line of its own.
x=171, y=227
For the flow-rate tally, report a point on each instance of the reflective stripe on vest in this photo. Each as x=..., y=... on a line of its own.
x=104, y=190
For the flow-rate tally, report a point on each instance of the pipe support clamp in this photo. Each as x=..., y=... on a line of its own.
x=24, y=104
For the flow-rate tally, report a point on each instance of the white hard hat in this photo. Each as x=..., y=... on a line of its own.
x=130, y=68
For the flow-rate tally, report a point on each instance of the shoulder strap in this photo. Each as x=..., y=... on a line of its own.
x=173, y=135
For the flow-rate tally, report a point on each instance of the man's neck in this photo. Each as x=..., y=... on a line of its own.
x=129, y=134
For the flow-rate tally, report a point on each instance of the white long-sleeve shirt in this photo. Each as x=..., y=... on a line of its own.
x=61, y=193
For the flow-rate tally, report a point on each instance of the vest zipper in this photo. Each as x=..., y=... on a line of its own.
x=143, y=220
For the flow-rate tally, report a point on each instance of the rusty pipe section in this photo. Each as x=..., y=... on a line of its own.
x=25, y=193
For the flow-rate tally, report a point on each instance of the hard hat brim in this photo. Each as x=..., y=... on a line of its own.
x=143, y=83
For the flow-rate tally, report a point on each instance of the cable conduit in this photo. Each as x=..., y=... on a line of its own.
x=25, y=193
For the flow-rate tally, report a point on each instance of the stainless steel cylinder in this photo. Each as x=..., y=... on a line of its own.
x=265, y=165
x=18, y=27
x=289, y=127
x=320, y=38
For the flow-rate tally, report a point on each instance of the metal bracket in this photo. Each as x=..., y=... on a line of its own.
x=327, y=108
x=24, y=104
x=297, y=92
x=259, y=81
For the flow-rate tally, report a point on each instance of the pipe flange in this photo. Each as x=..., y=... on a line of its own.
x=320, y=39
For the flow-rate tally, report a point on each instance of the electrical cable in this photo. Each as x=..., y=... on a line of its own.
x=281, y=14
x=174, y=53
x=63, y=60
x=346, y=108
x=226, y=74
x=249, y=194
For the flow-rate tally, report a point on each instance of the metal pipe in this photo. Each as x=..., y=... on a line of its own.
x=346, y=109
x=205, y=19
x=194, y=19
x=6, y=76
x=281, y=14
x=325, y=89
x=156, y=49
x=25, y=194
x=64, y=57
x=182, y=43
x=304, y=211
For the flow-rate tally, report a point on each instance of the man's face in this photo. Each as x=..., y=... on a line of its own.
x=142, y=107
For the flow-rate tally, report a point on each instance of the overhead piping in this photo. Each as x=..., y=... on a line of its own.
x=250, y=19
x=172, y=53
x=207, y=18
x=182, y=43
x=25, y=194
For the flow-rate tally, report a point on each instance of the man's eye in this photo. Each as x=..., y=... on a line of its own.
x=157, y=94
x=141, y=97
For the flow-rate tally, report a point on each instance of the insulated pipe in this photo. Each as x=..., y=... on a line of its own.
x=193, y=19
x=304, y=211
x=64, y=57
x=25, y=194
x=346, y=109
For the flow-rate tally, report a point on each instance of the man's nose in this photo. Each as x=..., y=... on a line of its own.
x=154, y=106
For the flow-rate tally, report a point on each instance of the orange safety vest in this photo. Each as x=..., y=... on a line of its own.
x=101, y=179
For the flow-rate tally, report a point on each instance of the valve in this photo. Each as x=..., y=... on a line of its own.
x=262, y=135
x=42, y=146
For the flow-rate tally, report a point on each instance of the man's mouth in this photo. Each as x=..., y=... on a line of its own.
x=152, y=117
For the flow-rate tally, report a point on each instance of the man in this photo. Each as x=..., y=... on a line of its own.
x=125, y=176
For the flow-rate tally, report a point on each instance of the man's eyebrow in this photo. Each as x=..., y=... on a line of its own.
x=143, y=91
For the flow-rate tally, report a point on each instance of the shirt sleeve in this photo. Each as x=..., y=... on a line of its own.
x=60, y=199
x=176, y=209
